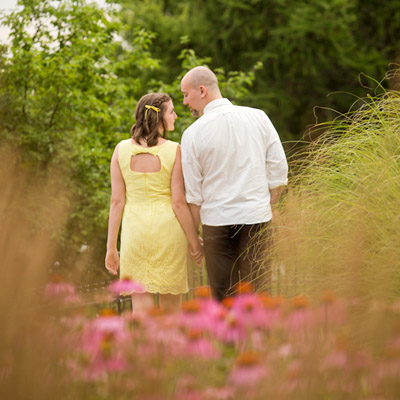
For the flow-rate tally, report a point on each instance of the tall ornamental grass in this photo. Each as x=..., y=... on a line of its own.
x=339, y=226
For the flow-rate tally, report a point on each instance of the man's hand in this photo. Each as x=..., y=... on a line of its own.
x=276, y=194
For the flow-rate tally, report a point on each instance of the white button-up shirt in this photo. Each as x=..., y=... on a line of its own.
x=231, y=157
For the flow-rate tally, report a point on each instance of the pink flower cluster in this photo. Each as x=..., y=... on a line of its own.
x=103, y=345
x=125, y=286
x=250, y=346
x=61, y=290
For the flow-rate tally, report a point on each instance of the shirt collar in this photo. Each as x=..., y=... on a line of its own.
x=215, y=104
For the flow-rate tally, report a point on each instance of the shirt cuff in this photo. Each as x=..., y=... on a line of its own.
x=194, y=200
x=275, y=184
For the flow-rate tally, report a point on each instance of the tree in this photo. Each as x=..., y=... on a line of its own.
x=65, y=103
x=308, y=49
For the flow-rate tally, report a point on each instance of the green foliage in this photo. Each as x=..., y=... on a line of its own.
x=308, y=49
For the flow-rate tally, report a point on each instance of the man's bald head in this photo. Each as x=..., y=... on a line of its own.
x=202, y=76
x=199, y=87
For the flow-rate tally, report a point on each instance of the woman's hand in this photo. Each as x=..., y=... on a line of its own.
x=112, y=261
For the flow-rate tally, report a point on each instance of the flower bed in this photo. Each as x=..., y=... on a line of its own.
x=251, y=346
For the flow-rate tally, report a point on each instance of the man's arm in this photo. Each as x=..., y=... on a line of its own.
x=276, y=194
x=195, y=210
x=277, y=167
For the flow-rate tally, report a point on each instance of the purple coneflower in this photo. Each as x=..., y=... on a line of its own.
x=126, y=286
x=197, y=345
x=58, y=288
x=248, y=370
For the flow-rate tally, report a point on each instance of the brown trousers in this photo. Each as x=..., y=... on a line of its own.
x=236, y=253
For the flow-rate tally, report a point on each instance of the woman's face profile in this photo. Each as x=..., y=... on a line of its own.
x=170, y=116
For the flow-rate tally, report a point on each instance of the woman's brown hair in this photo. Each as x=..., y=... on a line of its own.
x=148, y=120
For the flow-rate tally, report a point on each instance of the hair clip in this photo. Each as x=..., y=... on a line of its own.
x=156, y=109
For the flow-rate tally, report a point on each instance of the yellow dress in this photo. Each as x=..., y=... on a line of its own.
x=153, y=245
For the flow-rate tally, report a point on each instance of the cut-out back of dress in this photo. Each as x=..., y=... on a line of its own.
x=145, y=162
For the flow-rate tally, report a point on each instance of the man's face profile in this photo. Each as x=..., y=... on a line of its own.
x=191, y=98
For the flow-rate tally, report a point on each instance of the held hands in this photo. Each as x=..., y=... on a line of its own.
x=112, y=261
x=196, y=251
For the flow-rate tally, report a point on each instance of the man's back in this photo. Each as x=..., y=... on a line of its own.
x=224, y=155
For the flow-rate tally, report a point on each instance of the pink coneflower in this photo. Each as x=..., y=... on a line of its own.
x=136, y=321
x=249, y=309
x=301, y=317
x=222, y=393
x=271, y=303
x=169, y=336
x=198, y=346
x=188, y=394
x=104, y=355
x=213, y=312
x=285, y=350
x=328, y=297
x=201, y=314
x=109, y=323
x=203, y=292
x=58, y=288
x=186, y=389
x=192, y=306
x=332, y=311
x=126, y=286
x=101, y=366
x=244, y=287
x=103, y=345
x=230, y=328
x=192, y=315
x=147, y=351
x=300, y=302
x=361, y=360
x=273, y=309
x=248, y=370
x=228, y=302
x=392, y=348
x=337, y=359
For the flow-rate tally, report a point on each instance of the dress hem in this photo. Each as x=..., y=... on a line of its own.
x=166, y=292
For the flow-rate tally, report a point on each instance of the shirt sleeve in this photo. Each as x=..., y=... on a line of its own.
x=277, y=167
x=192, y=172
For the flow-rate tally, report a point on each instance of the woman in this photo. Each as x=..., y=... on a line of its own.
x=148, y=189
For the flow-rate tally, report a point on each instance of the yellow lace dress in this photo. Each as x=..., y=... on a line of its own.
x=153, y=245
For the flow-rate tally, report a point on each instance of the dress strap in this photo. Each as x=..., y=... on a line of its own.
x=154, y=151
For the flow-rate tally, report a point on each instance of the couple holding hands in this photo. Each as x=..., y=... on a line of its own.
x=229, y=169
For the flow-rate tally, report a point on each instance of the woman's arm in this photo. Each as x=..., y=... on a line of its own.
x=117, y=205
x=181, y=209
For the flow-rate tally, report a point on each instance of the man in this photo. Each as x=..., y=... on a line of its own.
x=234, y=167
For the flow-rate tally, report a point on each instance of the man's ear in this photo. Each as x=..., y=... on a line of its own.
x=203, y=91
